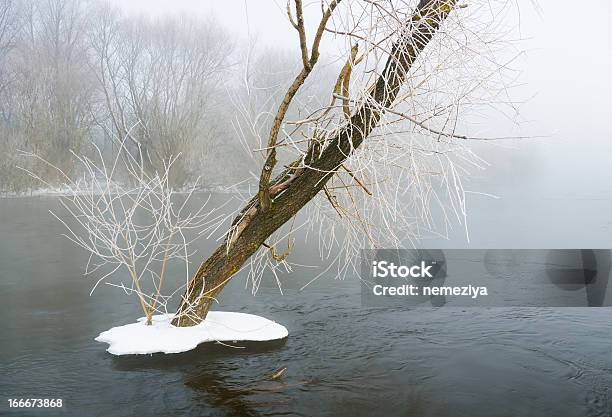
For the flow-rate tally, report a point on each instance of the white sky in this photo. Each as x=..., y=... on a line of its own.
x=266, y=18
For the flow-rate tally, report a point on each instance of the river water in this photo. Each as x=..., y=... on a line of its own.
x=342, y=359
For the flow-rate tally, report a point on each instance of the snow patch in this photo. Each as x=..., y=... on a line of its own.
x=96, y=190
x=163, y=337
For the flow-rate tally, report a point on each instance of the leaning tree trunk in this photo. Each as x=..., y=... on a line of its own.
x=296, y=185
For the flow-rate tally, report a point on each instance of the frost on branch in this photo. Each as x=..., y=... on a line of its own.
x=410, y=177
x=127, y=218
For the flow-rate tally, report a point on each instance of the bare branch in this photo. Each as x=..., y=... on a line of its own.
x=302, y=32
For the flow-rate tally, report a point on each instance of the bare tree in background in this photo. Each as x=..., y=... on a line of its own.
x=164, y=75
x=52, y=81
x=382, y=151
x=10, y=22
x=9, y=33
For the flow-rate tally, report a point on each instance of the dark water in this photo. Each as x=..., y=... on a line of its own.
x=342, y=359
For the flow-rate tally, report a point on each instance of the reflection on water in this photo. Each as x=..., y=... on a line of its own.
x=342, y=359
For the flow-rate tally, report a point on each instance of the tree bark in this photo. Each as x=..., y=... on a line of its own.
x=295, y=186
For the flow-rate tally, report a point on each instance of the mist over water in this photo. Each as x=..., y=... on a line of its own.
x=342, y=358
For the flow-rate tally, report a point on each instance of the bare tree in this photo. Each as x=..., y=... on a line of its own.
x=9, y=33
x=10, y=21
x=138, y=224
x=383, y=148
x=49, y=94
x=162, y=75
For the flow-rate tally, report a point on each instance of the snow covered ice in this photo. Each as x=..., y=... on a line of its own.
x=162, y=337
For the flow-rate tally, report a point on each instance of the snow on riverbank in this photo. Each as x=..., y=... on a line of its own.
x=67, y=192
x=163, y=337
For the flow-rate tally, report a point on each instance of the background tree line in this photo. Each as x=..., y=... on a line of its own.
x=77, y=72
